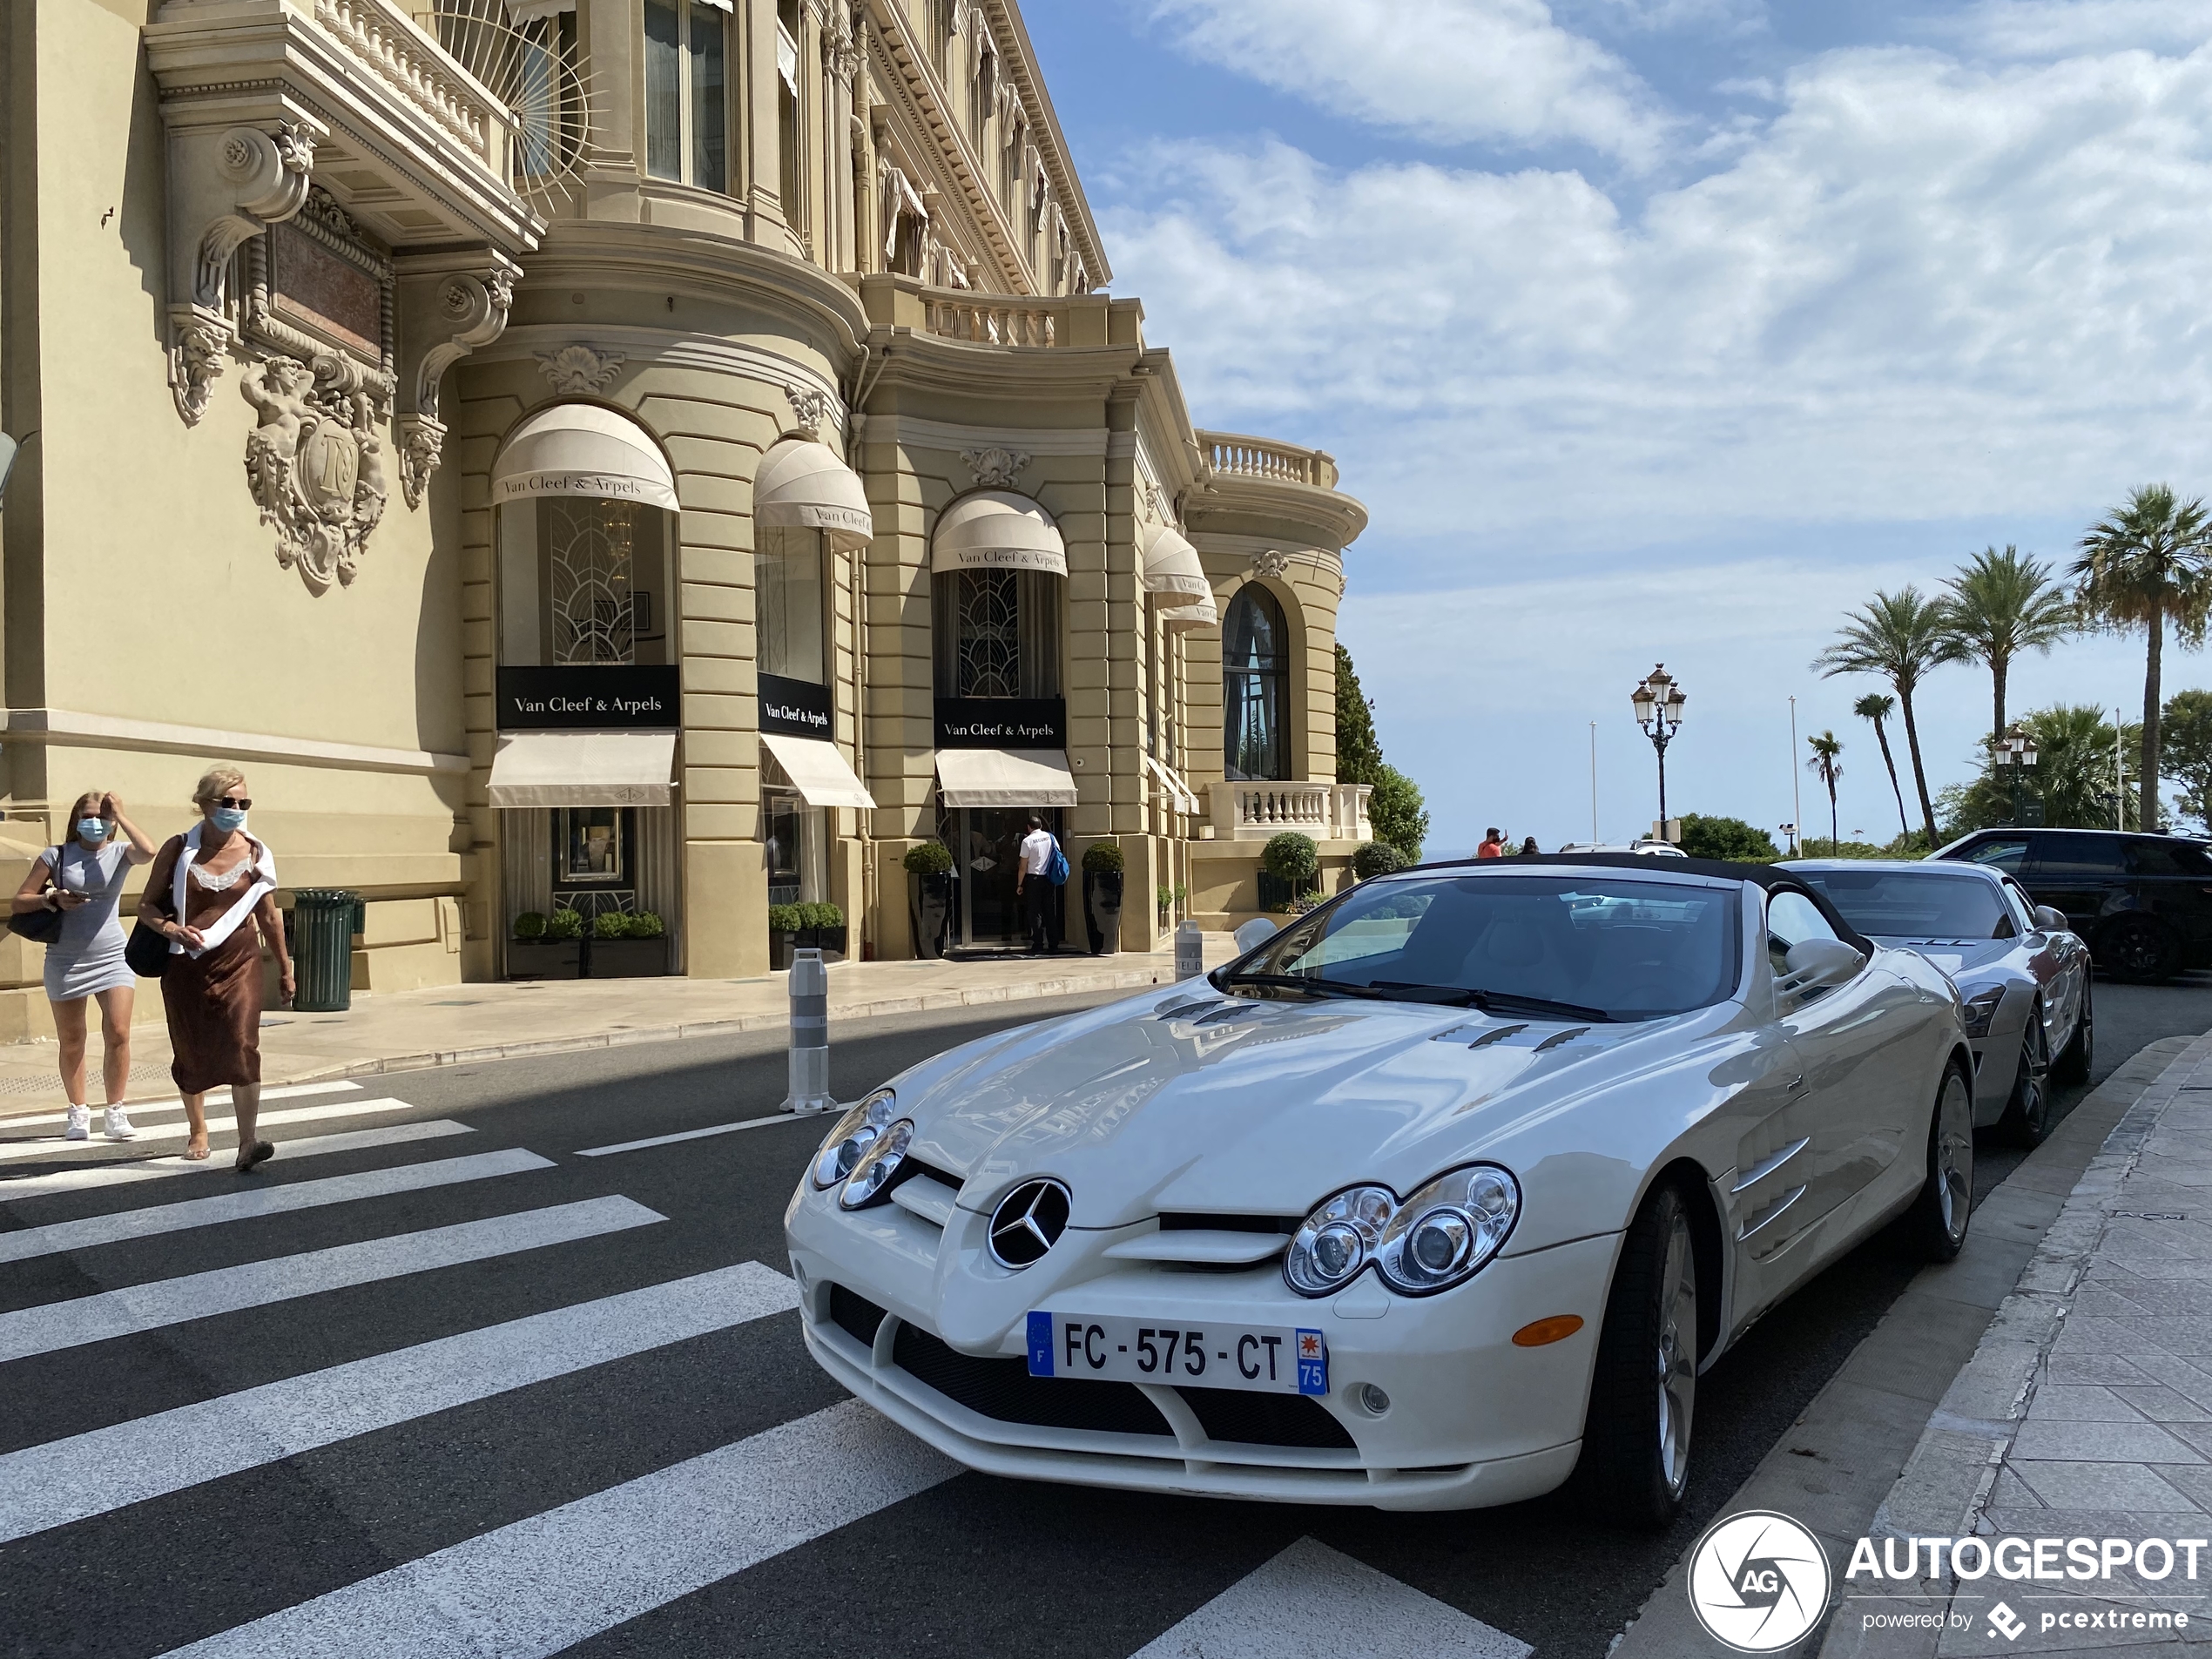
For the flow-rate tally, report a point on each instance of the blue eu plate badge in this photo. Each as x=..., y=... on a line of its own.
x=1313, y=1363
x=1040, y=1344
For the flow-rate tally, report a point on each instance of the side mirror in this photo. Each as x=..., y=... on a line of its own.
x=2050, y=921
x=1819, y=963
x=1254, y=933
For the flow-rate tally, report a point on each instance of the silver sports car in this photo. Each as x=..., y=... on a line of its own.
x=2022, y=975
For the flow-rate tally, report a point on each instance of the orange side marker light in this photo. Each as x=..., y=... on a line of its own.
x=1557, y=1328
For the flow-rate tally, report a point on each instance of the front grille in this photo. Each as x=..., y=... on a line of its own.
x=1003, y=1389
x=854, y=1315
x=1237, y=1417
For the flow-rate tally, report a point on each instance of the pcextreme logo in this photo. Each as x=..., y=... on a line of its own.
x=1757, y=1582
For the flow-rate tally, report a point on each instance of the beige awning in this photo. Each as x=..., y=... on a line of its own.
x=583, y=768
x=582, y=450
x=817, y=771
x=996, y=529
x=1183, y=620
x=1178, y=792
x=1171, y=565
x=803, y=485
x=1005, y=778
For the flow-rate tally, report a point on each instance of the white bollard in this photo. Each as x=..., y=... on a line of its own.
x=1190, y=951
x=810, y=1090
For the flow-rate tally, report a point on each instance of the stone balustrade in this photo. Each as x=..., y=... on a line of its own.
x=990, y=322
x=1232, y=454
x=400, y=50
x=1254, y=812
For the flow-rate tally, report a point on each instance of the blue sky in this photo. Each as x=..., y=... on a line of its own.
x=1668, y=329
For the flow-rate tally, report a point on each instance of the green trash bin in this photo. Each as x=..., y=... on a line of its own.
x=323, y=920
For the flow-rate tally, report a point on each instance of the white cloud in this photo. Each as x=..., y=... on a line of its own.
x=1452, y=71
x=1923, y=290
x=2062, y=28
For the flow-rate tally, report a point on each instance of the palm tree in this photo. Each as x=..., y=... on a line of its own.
x=2000, y=606
x=1825, y=748
x=2143, y=566
x=1878, y=706
x=1899, y=638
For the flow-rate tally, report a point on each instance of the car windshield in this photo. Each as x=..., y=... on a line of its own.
x=1915, y=904
x=1579, y=945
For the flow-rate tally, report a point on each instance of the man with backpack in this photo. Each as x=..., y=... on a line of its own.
x=1041, y=867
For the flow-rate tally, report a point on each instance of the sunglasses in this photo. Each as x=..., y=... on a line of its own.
x=236, y=803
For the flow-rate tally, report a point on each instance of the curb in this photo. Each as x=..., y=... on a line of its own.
x=430, y=1059
x=1946, y=1482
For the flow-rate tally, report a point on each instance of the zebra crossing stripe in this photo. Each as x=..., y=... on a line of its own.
x=699, y=1134
x=170, y=1301
x=50, y=1146
x=90, y=1176
x=89, y=1475
x=546, y=1583
x=215, y=1097
x=262, y=1201
x=1302, y=1603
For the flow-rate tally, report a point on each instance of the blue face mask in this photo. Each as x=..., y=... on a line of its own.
x=227, y=819
x=91, y=829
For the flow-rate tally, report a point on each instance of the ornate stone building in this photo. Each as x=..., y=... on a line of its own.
x=637, y=455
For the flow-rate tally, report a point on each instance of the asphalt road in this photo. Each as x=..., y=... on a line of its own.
x=491, y=1402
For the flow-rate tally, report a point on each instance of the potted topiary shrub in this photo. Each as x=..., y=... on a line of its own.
x=1102, y=876
x=929, y=895
x=1376, y=858
x=621, y=947
x=1289, y=866
x=783, y=934
x=822, y=927
x=539, y=947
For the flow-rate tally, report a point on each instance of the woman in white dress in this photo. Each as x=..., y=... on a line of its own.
x=83, y=877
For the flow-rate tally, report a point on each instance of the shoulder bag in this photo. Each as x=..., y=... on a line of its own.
x=41, y=926
x=147, y=950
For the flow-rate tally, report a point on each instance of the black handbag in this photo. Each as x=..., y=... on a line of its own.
x=40, y=927
x=146, y=952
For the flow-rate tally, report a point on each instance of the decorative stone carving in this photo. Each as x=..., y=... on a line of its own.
x=841, y=47
x=994, y=469
x=315, y=464
x=228, y=188
x=1272, y=564
x=810, y=410
x=578, y=371
x=474, y=309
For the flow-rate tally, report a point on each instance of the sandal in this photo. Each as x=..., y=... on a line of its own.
x=262, y=1152
x=194, y=1155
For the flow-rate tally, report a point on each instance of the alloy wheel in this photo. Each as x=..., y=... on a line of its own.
x=2034, y=1085
x=1677, y=1356
x=1954, y=1156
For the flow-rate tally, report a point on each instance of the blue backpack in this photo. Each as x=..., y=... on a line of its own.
x=1056, y=872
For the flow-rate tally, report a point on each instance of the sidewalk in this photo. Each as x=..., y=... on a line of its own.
x=462, y=1024
x=2086, y=1413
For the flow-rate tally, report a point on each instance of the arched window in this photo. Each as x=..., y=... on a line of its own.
x=1255, y=688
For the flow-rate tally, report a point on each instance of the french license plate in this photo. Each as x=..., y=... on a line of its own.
x=1267, y=1359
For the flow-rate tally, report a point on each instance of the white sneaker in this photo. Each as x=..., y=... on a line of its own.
x=119, y=1125
x=80, y=1124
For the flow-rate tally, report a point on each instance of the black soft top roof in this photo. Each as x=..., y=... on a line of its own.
x=1768, y=876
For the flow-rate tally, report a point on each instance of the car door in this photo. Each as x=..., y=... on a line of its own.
x=2173, y=880
x=1842, y=1124
x=2057, y=961
x=2085, y=875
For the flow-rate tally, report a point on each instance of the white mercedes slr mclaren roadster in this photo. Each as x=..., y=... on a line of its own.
x=1441, y=1196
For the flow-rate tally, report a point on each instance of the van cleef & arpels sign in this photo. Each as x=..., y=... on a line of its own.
x=577, y=698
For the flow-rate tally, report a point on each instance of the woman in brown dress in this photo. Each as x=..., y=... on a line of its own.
x=210, y=892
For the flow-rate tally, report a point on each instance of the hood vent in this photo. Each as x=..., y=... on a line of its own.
x=1558, y=1037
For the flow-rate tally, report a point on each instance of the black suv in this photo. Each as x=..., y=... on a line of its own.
x=2143, y=902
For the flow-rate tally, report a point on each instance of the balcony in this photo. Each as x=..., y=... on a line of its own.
x=1232, y=454
x=999, y=321
x=1254, y=812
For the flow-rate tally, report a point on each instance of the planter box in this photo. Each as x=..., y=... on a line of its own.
x=828, y=940
x=1102, y=910
x=628, y=959
x=929, y=905
x=545, y=959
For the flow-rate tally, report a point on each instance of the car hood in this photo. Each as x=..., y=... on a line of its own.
x=1958, y=956
x=1203, y=1103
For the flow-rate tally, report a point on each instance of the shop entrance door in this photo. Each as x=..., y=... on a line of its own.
x=989, y=850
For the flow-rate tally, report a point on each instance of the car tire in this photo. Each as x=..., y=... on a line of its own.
x=1635, y=1464
x=1942, y=1212
x=2081, y=1051
x=2135, y=948
x=2028, y=1114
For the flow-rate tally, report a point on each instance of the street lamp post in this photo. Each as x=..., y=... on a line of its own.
x=2016, y=751
x=1658, y=704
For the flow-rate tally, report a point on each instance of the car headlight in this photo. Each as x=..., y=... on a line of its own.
x=1447, y=1230
x=1981, y=1010
x=878, y=1162
x=855, y=1133
x=1338, y=1240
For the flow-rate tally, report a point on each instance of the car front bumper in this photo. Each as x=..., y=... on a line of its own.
x=1471, y=1421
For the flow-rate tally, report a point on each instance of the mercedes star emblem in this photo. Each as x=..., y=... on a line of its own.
x=1028, y=1222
